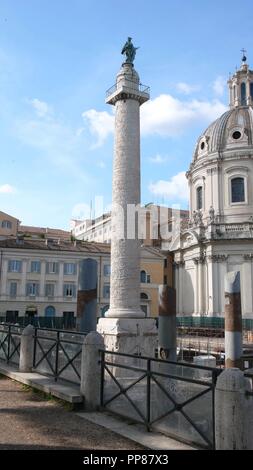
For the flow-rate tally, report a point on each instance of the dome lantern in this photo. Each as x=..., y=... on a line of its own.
x=241, y=85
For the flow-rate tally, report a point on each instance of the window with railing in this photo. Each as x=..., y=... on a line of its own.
x=69, y=290
x=32, y=289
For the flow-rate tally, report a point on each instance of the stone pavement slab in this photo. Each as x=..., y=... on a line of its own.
x=60, y=389
x=135, y=432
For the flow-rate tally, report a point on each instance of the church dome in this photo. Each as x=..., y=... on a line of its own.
x=232, y=131
x=221, y=173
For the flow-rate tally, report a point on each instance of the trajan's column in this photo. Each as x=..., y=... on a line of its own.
x=125, y=328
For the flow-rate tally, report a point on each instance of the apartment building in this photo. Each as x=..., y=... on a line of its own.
x=156, y=225
x=40, y=277
x=8, y=225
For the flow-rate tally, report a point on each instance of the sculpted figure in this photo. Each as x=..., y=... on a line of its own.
x=129, y=50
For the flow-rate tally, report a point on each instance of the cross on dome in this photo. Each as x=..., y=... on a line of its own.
x=244, y=58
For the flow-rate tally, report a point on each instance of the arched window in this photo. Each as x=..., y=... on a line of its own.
x=251, y=90
x=144, y=296
x=237, y=190
x=243, y=94
x=234, y=88
x=199, y=197
x=144, y=303
x=144, y=277
x=50, y=311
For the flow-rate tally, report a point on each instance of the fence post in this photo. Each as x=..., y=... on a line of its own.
x=231, y=418
x=233, y=320
x=26, y=349
x=91, y=370
x=9, y=343
x=167, y=326
x=86, y=315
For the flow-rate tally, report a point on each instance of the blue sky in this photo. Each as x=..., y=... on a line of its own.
x=58, y=57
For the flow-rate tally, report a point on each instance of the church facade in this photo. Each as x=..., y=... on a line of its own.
x=219, y=238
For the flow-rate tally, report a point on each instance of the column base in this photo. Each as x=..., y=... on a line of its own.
x=137, y=336
x=124, y=313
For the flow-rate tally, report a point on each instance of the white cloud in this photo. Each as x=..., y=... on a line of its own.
x=175, y=188
x=219, y=86
x=7, y=189
x=42, y=109
x=168, y=116
x=100, y=124
x=58, y=143
x=158, y=159
x=185, y=88
x=165, y=115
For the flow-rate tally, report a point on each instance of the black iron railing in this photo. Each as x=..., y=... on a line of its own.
x=58, y=323
x=130, y=85
x=57, y=353
x=10, y=343
x=163, y=395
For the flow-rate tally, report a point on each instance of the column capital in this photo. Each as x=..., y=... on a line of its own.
x=217, y=258
x=200, y=259
x=248, y=257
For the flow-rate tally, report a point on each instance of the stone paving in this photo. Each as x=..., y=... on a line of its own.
x=30, y=421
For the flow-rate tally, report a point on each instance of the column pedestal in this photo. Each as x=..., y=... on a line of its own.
x=129, y=335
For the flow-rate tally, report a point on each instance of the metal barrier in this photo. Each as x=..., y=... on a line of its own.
x=131, y=86
x=174, y=398
x=57, y=353
x=10, y=343
x=210, y=322
x=58, y=323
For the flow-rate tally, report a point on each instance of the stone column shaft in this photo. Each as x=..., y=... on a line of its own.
x=125, y=328
x=125, y=251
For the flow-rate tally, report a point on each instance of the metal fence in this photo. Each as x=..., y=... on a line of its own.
x=210, y=322
x=43, y=322
x=174, y=398
x=128, y=85
x=10, y=343
x=57, y=353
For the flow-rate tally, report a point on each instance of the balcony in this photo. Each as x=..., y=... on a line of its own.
x=129, y=88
